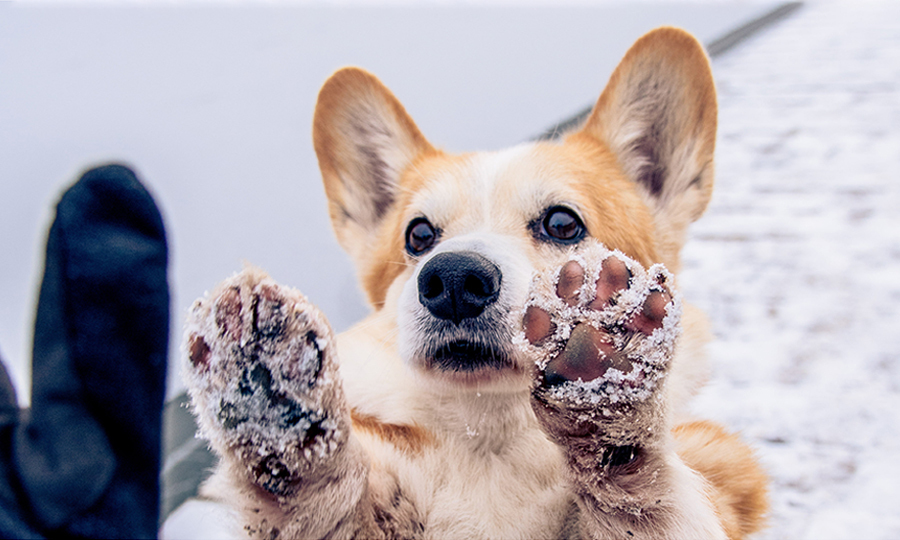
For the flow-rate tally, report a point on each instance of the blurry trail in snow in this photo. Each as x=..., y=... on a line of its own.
x=797, y=263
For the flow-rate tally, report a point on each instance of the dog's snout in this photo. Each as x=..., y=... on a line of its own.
x=458, y=285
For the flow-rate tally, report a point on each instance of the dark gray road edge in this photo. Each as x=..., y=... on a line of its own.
x=188, y=461
x=714, y=49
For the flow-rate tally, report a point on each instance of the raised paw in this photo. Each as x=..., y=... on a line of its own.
x=602, y=331
x=262, y=378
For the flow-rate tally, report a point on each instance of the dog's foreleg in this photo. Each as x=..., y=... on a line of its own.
x=264, y=382
x=602, y=330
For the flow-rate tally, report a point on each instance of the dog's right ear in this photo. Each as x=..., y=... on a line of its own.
x=658, y=116
x=364, y=140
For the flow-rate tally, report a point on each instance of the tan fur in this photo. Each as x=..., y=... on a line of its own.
x=411, y=439
x=441, y=454
x=380, y=268
x=335, y=124
x=728, y=464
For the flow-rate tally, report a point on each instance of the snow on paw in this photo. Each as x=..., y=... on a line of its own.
x=602, y=330
x=262, y=378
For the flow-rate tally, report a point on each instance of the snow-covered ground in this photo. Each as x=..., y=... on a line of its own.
x=798, y=264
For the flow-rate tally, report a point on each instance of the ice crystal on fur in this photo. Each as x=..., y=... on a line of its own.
x=258, y=375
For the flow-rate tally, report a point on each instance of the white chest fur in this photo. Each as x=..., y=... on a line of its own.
x=486, y=487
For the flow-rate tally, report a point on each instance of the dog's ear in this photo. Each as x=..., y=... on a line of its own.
x=364, y=141
x=658, y=115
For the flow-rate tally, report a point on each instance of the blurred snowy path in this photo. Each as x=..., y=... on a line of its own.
x=797, y=262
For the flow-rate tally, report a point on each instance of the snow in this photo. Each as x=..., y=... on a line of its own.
x=797, y=262
x=202, y=519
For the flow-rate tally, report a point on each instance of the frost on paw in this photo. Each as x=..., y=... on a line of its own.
x=262, y=379
x=601, y=328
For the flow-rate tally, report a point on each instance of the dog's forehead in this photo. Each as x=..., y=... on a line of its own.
x=493, y=191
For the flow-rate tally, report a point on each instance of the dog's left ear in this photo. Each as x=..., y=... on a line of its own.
x=364, y=140
x=658, y=115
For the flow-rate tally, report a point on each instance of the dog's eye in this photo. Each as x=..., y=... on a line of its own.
x=562, y=225
x=420, y=236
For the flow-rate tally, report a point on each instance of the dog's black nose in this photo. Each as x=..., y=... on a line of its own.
x=458, y=285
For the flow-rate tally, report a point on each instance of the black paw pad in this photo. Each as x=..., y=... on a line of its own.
x=230, y=415
x=312, y=369
x=256, y=379
x=619, y=456
x=273, y=476
x=271, y=313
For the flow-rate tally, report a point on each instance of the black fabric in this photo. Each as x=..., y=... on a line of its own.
x=13, y=514
x=83, y=462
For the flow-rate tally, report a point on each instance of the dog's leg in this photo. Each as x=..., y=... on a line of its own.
x=603, y=330
x=264, y=381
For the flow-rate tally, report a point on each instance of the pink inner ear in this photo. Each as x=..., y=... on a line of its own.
x=364, y=140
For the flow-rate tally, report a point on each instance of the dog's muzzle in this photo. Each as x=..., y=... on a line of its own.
x=458, y=285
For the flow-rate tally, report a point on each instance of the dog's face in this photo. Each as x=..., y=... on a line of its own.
x=474, y=231
x=447, y=243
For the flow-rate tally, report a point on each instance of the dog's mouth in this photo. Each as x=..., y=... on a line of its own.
x=469, y=356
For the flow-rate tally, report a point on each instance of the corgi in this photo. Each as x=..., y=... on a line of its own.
x=527, y=366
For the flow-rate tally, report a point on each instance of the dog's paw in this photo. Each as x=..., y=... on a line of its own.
x=263, y=379
x=602, y=331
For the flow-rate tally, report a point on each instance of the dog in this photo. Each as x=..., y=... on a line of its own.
x=527, y=366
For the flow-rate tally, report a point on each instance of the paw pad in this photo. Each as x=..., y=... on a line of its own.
x=600, y=327
x=198, y=352
x=228, y=313
x=588, y=354
x=260, y=375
